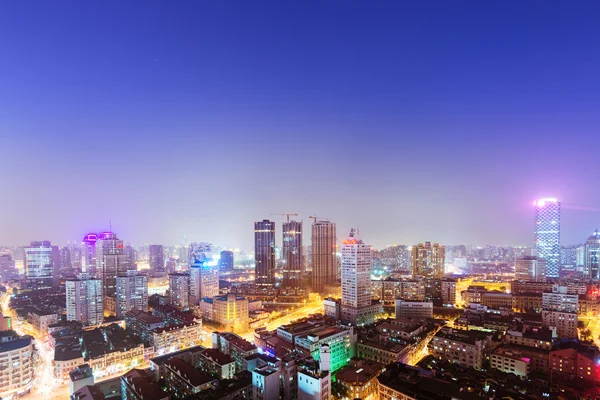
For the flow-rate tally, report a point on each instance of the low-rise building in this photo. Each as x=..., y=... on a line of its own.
x=467, y=348
x=572, y=360
x=313, y=384
x=497, y=300
x=383, y=351
x=332, y=308
x=541, y=338
x=231, y=311
x=41, y=319
x=414, y=309
x=360, y=378
x=66, y=358
x=172, y=338
x=341, y=342
x=511, y=361
x=183, y=380
x=448, y=291
x=565, y=323
x=141, y=324
x=16, y=363
x=527, y=302
x=138, y=385
x=265, y=384
x=80, y=377
x=217, y=363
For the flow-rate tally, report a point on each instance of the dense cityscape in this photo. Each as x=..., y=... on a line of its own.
x=331, y=318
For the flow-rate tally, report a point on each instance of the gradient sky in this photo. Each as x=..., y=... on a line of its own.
x=415, y=121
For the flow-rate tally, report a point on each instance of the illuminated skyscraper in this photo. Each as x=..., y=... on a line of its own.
x=156, y=258
x=592, y=256
x=547, y=234
x=84, y=300
x=111, y=261
x=428, y=260
x=179, y=290
x=264, y=252
x=88, y=257
x=357, y=307
x=292, y=254
x=42, y=261
x=324, y=262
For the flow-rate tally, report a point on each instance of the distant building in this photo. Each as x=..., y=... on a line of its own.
x=42, y=261
x=132, y=292
x=85, y=302
x=592, y=256
x=226, y=261
x=88, y=256
x=428, y=260
x=111, y=261
x=179, y=289
x=547, y=234
x=156, y=258
x=264, y=252
x=292, y=254
x=332, y=308
x=324, y=261
x=530, y=267
x=414, y=309
x=448, y=291
x=357, y=307
x=204, y=280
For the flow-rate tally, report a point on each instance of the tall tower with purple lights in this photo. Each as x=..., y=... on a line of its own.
x=547, y=234
x=89, y=253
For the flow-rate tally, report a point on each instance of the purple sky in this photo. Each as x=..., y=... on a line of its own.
x=432, y=121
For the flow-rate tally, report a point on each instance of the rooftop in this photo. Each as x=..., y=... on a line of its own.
x=243, y=344
x=144, y=317
x=194, y=376
x=143, y=386
x=363, y=372
x=67, y=352
x=174, y=327
x=512, y=353
x=388, y=345
x=81, y=372
x=470, y=337
x=160, y=360
x=216, y=356
x=88, y=392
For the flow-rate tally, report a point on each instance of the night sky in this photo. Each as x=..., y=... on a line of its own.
x=414, y=121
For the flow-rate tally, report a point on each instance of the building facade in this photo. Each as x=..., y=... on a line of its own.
x=592, y=256
x=292, y=254
x=85, y=302
x=231, y=311
x=204, y=280
x=132, y=293
x=324, y=261
x=111, y=261
x=264, y=252
x=547, y=234
x=428, y=260
x=16, y=365
x=179, y=289
x=41, y=263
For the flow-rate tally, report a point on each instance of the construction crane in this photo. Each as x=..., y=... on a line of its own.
x=288, y=215
x=315, y=218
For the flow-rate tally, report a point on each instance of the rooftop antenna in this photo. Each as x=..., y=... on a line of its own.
x=110, y=226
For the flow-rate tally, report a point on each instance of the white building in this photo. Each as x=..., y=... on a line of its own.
x=16, y=365
x=132, y=293
x=414, y=309
x=357, y=307
x=179, y=289
x=265, y=383
x=204, y=280
x=511, y=362
x=315, y=383
x=84, y=300
x=41, y=259
x=559, y=300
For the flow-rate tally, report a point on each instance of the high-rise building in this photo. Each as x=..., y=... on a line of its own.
x=42, y=261
x=88, y=257
x=264, y=252
x=547, y=234
x=428, y=260
x=226, y=260
x=65, y=257
x=111, y=261
x=324, y=261
x=199, y=252
x=85, y=300
x=132, y=292
x=592, y=256
x=292, y=254
x=530, y=267
x=179, y=289
x=131, y=256
x=204, y=280
x=357, y=307
x=156, y=258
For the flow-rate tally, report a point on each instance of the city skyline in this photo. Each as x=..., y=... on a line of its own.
x=452, y=122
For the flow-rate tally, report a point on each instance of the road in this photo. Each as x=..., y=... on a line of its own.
x=305, y=311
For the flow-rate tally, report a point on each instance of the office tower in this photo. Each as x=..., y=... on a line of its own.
x=131, y=255
x=357, y=307
x=41, y=263
x=199, y=252
x=592, y=256
x=76, y=256
x=530, y=267
x=111, y=261
x=156, y=253
x=226, y=260
x=88, y=258
x=179, y=289
x=547, y=234
x=204, y=280
x=264, y=252
x=65, y=257
x=428, y=260
x=132, y=292
x=324, y=261
x=84, y=300
x=292, y=254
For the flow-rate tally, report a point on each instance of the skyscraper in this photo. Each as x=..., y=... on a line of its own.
x=88, y=257
x=42, y=261
x=428, y=260
x=226, y=261
x=592, y=256
x=65, y=257
x=204, y=280
x=264, y=252
x=111, y=261
x=84, y=300
x=292, y=254
x=132, y=292
x=324, y=262
x=179, y=289
x=547, y=234
x=156, y=258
